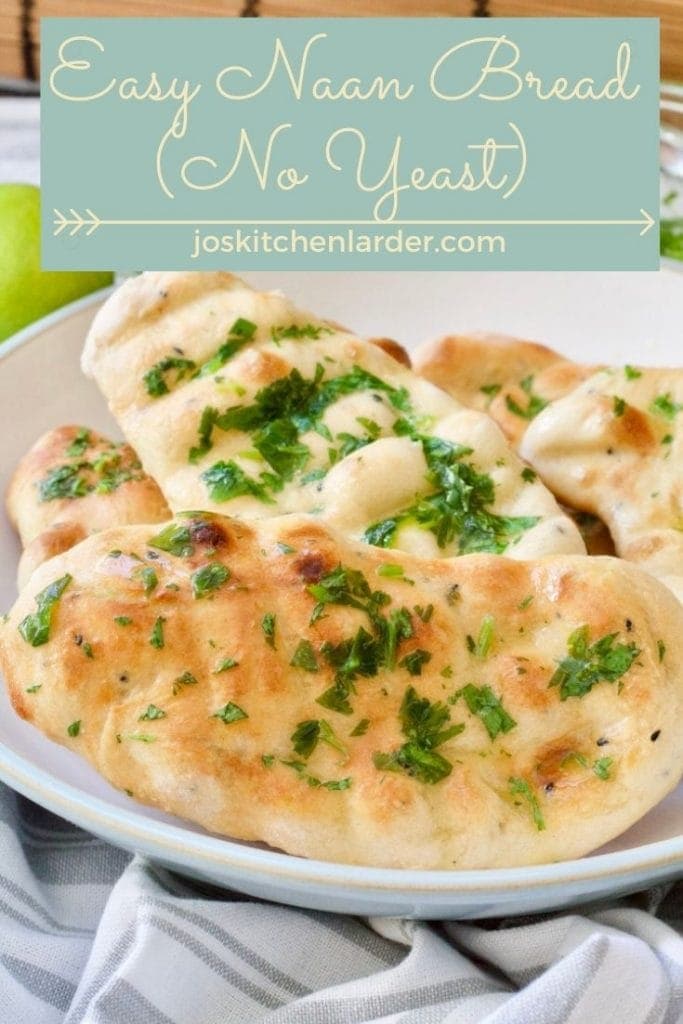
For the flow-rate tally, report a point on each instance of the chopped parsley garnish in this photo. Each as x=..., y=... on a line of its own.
x=631, y=373
x=425, y=726
x=390, y=570
x=588, y=664
x=122, y=620
x=333, y=784
x=528, y=475
x=490, y=389
x=87, y=649
x=366, y=652
x=619, y=405
x=152, y=713
x=482, y=701
x=603, y=767
x=35, y=628
x=241, y=332
x=268, y=625
x=34, y=689
x=424, y=613
x=298, y=331
x=279, y=414
x=74, y=729
x=267, y=760
x=524, y=604
x=486, y=637
x=79, y=444
x=361, y=728
x=225, y=665
x=230, y=713
x=304, y=657
x=661, y=650
x=139, y=737
x=308, y=734
x=225, y=481
x=186, y=679
x=664, y=405
x=174, y=538
x=285, y=549
x=534, y=405
x=148, y=577
x=209, y=578
x=65, y=482
x=459, y=506
x=155, y=379
x=520, y=787
x=415, y=661
x=156, y=638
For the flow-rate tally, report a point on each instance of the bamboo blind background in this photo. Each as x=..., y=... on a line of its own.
x=19, y=19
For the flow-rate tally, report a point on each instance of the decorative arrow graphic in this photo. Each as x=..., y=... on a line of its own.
x=91, y=222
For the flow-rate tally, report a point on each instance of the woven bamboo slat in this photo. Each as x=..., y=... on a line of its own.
x=14, y=60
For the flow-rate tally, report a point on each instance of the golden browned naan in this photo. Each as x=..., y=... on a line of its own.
x=277, y=682
x=614, y=447
x=74, y=482
x=509, y=378
x=239, y=402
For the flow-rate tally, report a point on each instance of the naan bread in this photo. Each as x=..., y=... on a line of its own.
x=614, y=447
x=238, y=402
x=279, y=683
x=509, y=378
x=74, y=482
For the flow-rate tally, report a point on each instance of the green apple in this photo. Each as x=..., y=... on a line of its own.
x=26, y=291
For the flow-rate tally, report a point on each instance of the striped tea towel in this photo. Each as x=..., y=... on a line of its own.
x=89, y=935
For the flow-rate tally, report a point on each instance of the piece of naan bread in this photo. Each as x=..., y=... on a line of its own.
x=614, y=447
x=238, y=402
x=73, y=482
x=277, y=682
x=509, y=378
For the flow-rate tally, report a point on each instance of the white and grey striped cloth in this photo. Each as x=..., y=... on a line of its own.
x=90, y=936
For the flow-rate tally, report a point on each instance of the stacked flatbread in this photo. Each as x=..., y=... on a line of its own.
x=369, y=634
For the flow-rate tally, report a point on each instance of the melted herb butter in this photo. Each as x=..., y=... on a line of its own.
x=459, y=506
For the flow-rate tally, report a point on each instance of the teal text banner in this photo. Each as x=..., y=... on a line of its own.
x=390, y=144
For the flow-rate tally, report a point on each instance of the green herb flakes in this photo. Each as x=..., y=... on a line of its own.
x=175, y=539
x=230, y=713
x=209, y=578
x=156, y=638
x=123, y=620
x=520, y=788
x=35, y=628
x=425, y=726
x=304, y=657
x=482, y=702
x=74, y=729
x=152, y=713
x=185, y=679
x=535, y=403
x=268, y=625
x=225, y=665
x=361, y=728
x=588, y=664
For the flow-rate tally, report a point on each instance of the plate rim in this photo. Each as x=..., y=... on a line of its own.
x=206, y=850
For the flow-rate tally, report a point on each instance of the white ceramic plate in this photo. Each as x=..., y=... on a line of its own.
x=606, y=317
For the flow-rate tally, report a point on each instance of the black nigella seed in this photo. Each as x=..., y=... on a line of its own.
x=549, y=787
x=78, y=639
x=629, y=625
x=655, y=735
x=123, y=678
x=152, y=554
x=603, y=741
